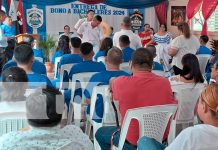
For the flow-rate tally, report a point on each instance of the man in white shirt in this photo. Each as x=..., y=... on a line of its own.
x=90, y=14
x=92, y=32
x=135, y=41
x=3, y=39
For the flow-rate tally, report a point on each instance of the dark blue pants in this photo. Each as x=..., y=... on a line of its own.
x=104, y=134
x=146, y=143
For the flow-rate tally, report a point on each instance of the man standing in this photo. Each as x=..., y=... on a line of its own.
x=135, y=41
x=8, y=28
x=3, y=39
x=89, y=16
x=92, y=32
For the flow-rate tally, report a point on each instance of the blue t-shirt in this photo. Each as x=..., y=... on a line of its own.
x=39, y=53
x=37, y=66
x=157, y=66
x=70, y=59
x=86, y=66
x=36, y=80
x=8, y=30
x=203, y=50
x=58, y=53
x=99, y=54
x=127, y=54
x=101, y=78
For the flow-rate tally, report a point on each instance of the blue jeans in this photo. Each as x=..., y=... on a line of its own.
x=104, y=134
x=146, y=143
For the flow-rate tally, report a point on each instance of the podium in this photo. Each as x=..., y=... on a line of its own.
x=20, y=37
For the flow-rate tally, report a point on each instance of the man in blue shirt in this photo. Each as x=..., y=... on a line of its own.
x=8, y=28
x=113, y=60
x=87, y=65
x=203, y=49
x=125, y=46
x=156, y=65
x=23, y=55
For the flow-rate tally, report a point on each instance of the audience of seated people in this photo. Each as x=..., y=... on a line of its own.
x=113, y=59
x=191, y=72
x=106, y=44
x=14, y=84
x=124, y=43
x=156, y=65
x=203, y=49
x=24, y=58
x=135, y=91
x=201, y=136
x=181, y=45
x=44, y=113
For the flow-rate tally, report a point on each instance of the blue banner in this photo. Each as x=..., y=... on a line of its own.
x=35, y=16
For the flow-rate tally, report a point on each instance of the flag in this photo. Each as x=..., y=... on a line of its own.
x=12, y=11
x=20, y=18
x=4, y=6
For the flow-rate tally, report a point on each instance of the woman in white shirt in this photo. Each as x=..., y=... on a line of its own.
x=181, y=45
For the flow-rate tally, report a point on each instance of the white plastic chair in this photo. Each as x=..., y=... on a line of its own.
x=40, y=59
x=187, y=96
x=203, y=60
x=125, y=67
x=159, y=72
x=13, y=121
x=57, y=60
x=152, y=120
x=74, y=107
x=101, y=59
x=108, y=118
x=67, y=68
x=29, y=91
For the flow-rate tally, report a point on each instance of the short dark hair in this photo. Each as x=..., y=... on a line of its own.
x=146, y=24
x=142, y=58
x=66, y=26
x=165, y=26
x=115, y=56
x=23, y=54
x=90, y=10
x=127, y=21
x=75, y=42
x=98, y=17
x=86, y=48
x=152, y=49
x=35, y=116
x=204, y=38
x=124, y=39
x=191, y=67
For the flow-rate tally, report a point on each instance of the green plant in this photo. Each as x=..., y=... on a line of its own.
x=48, y=46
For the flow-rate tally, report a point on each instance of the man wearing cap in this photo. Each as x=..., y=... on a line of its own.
x=135, y=41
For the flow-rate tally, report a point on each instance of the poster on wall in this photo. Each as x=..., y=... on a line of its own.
x=178, y=14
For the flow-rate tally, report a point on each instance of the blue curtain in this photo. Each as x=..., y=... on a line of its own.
x=129, y=4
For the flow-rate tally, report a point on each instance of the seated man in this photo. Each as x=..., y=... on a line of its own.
x=136, y=91
x=125, y=46
x=112, y=61
x=156, y=65
x=23, y=55
x=44, y=112
x=87, y=65
x=203, y=49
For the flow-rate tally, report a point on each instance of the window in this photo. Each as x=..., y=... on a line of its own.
x=198, y=21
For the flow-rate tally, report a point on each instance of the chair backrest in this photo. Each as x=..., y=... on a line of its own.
x=65, y=68
x=109, y=115
x=159, y=72
x=101, y=59
x=125, y=67
x=152, y=120
x=40, y=59
x=187, y=96
x=82, y=79
x=13, y=121
x=57, y=60
x=203, y=60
